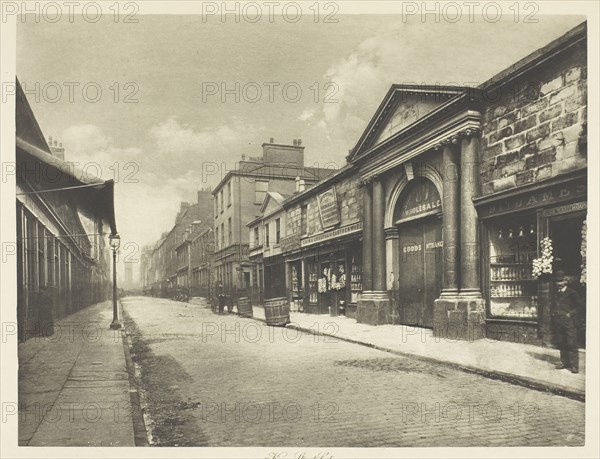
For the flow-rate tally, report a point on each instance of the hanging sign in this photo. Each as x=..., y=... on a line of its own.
x=328, y=208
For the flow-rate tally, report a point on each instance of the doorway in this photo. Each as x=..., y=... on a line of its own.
x=420, y=270
x=566, y=234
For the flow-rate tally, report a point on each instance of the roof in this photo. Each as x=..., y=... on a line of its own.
x=88, y=193
x=576, y=35
x=275, y=171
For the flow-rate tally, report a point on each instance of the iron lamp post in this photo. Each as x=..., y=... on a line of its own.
x=115, y=242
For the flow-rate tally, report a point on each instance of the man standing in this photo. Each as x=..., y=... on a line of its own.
x=564, y=315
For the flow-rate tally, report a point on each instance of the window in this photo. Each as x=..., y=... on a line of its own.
x=222, y=234
x=267, y=235
x=512, y=247
x=256, y=237
x=260, y=190
x=216, y=199
x=217, y=237
x=228, y=194
x=304, y=220
x=221, y=201
x=50, y=259
x=229, y=231
x=277, y=230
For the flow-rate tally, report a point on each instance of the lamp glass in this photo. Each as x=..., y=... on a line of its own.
x=114, y=241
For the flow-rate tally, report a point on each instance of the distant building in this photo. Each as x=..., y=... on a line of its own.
x=167, y=265
x=238, y=198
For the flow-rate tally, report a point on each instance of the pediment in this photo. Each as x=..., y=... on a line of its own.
x=403, y=106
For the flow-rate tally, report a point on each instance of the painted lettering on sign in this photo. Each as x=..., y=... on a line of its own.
x=434, y=245
x=328, y=208
x=537, y=199
x=421, y=198
x=412, y=248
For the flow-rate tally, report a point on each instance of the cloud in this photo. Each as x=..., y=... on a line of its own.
x=180, y=139
x=307, y=114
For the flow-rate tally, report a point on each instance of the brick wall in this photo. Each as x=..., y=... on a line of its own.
x=533, y=131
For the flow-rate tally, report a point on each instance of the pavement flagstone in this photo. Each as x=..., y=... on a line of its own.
x=73, y=386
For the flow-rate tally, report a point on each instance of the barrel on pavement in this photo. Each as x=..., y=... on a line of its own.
x=244, y=307
x=277, y=311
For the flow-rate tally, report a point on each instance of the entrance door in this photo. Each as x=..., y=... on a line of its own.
x=565, y=232
x=420, y=273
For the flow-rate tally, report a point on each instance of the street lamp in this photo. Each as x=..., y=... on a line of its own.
x=115, y=242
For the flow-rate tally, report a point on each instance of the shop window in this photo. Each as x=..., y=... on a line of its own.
x=313, y=283
x=512, y=248
x=355, y=278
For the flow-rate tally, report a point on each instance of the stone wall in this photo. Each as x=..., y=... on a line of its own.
x=536, y=128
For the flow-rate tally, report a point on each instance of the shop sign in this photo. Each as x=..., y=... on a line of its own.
x=328, y=208
x=290, y=243
x=421, y=199
x=536, y=199
x=354, y=228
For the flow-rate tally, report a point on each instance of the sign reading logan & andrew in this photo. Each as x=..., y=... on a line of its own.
x=328, y=208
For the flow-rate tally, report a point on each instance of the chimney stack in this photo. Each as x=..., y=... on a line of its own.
x=302, y=185
x=271, y=140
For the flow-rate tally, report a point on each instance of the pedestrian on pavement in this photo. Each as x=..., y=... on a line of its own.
x=564, y=314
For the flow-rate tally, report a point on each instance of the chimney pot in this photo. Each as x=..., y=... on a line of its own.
x=271, y=140
x=299, y=142
x=243, y=157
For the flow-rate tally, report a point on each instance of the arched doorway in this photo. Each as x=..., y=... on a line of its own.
x=417, y=216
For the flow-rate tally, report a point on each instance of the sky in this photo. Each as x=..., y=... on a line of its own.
x=162, y=127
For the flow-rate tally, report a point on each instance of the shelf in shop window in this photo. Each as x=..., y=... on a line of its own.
x=509, y=296
x=522, y=263
x=512, y=280
x=513, y=319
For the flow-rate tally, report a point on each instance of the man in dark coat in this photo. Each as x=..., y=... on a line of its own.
x=564, y=315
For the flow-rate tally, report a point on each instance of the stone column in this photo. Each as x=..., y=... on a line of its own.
x=374, y=305
x=469, y=231
x=367, y=246
x=450, y=228
x=379, y=277
x=391, y=251
x=459, y=312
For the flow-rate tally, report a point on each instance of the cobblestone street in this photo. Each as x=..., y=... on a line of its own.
x=209, y=380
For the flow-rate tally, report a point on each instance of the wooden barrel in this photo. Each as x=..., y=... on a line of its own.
x=277, y=311
x=244, y=307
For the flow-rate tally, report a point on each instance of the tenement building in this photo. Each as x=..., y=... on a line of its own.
x=449, y=203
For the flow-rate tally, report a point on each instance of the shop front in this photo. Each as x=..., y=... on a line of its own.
x=325, y=272
x=521, y=230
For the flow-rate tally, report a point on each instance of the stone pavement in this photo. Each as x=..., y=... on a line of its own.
x=524, y=364
x=73, y=386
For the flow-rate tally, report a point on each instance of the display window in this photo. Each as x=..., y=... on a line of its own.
x=512, y=288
